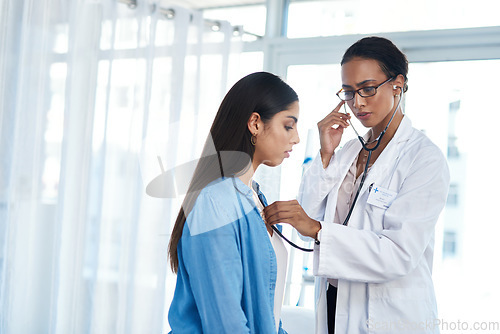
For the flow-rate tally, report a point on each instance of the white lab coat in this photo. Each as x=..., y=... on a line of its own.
x=383, y=258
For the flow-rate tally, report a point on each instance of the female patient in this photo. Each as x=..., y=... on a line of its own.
x=230, y=267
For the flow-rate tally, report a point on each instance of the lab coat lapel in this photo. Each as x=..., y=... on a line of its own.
x=386, y=161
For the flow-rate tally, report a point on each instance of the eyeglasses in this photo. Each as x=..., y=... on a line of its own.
x=347, y=95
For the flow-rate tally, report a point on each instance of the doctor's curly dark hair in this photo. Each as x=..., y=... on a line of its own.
x=391, y=60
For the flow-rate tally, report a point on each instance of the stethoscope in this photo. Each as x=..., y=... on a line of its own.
x=363, y=177
x=260, y=196
x=369, y=150
x=275, y=229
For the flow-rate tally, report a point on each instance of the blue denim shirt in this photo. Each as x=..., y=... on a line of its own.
x=227, y=265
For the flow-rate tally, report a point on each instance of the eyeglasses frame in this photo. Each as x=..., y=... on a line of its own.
x=359, y=93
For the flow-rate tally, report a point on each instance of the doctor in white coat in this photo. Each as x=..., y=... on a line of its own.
x=373, y=265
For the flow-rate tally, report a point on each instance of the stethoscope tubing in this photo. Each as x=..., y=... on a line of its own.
x=275, y=229
x=369, y=150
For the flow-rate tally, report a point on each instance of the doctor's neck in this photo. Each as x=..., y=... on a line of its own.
x=391, y=130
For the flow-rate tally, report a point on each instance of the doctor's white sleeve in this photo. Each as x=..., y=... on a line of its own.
x=316, y=184
x=408, y=228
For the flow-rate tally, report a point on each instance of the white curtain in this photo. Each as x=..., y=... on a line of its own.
x=93, y=95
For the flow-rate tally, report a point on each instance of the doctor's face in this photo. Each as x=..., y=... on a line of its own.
x=280, y=134
x=374, y=110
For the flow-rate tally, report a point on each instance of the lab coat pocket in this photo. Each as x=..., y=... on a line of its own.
x=398, y=310
x=375, y=216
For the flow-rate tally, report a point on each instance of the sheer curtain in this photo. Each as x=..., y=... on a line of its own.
x=94, y=94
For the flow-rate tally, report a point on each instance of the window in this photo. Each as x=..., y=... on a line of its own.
x=344, y=17
x=452, y=195
x=453, y=151
x=449, y=243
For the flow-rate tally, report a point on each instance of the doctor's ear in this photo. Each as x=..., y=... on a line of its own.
x=398, y=84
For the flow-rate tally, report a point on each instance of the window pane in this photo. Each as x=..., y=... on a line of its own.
x=338, y=17
x=467, y=227
x=54, y=132
x=61, y=38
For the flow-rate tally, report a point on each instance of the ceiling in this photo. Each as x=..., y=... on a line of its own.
x=204, y=4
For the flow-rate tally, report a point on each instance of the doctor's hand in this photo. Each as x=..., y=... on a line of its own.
x=290, y=212
x=331, y=129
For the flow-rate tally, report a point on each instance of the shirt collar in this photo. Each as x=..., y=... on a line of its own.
x=241, y=187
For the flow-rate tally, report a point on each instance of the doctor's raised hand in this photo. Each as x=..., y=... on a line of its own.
x=331, y=129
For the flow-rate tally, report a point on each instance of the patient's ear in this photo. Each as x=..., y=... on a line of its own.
x=254, y=123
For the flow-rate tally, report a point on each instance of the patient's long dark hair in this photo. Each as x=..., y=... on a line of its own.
x=261, y=92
